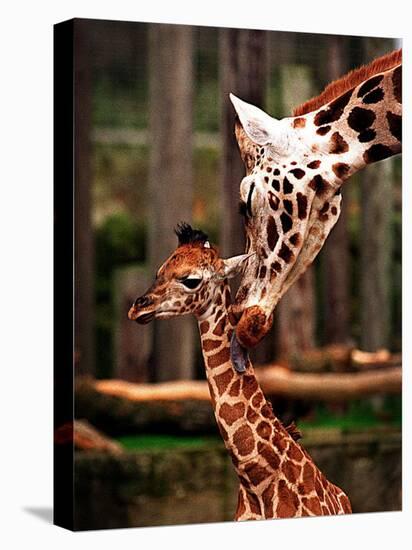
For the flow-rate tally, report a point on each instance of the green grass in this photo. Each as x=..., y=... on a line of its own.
x=360, y=415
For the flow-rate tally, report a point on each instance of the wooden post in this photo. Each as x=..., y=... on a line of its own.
x=133, y=343
x=170, y=178
x=296, y=313
x=334, y=258
x=243, y=71
x=83, y=232
x=376, y=242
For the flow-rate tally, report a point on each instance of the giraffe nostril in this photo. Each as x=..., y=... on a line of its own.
x=143, y=301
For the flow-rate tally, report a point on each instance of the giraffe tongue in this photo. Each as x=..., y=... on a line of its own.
x=238, y=355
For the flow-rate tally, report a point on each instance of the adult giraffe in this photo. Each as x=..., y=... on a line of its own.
x=295, y=167
x=277, y=476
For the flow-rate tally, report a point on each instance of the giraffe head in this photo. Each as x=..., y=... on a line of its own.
x=189, y=281
x=295, y=167
x=290, y=200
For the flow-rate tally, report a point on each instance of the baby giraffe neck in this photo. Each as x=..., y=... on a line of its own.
x=256, y=440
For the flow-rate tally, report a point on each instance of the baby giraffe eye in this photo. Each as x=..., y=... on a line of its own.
x=191, y=283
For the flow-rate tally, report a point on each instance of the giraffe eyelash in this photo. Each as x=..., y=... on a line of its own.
x=249, y=199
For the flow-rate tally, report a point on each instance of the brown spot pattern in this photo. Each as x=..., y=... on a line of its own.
x=314, y=164
x=204, y=327
x=276, y=266
x=341, y=169
x=257, y=399
x=369, y=85
x=374, y=97
x=286, y=222
x=286, y=253
x=334, y=110
x=264, y=430
x=308, y=477
x=299, y=122
x=337, y=144
x=313, y=505
x=218, y=358
x=243, y=440
x=273, y=201
x=279, y=441
x=253, y=503
x=395, y=125
x=302, y=205
x=298, y=173
x=241, y=508
x=288, y=205
x=344, y=502
x=222, y=380
x=219, y=328
x=269, y=455
x=272, y=233
x=295, y=239
x=249, y=385
x=287, y=186
x=323, y=130
x=295, y=453
x=288, y=501
x=210, y=345
x=377, y=152
x=231, y=413
x=267, y=497
x=367, y=135
x=256, y=473
x=360, y=119
x=318, y=184
x=235, y=388
x=291, y=471
x=276, y=185
x=251, y=415
x=242, y=293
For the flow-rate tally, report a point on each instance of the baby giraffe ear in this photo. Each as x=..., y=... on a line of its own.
x=259, y=126
x=232, y=266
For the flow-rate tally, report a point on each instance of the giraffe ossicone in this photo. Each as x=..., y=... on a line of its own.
x=295, y=167
x=277, y=477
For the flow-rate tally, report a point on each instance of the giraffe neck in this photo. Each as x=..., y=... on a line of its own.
x=256, y=440
x=360, y=127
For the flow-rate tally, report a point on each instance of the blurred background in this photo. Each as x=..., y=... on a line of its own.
x=155, y=146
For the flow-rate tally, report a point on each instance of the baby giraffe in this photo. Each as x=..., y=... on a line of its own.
x=278, y=479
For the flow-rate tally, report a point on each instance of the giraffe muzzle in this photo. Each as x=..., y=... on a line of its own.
x=140, y=311
x=253, y=325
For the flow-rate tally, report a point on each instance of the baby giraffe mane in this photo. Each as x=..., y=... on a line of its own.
x=187, y=235
x=348, y=81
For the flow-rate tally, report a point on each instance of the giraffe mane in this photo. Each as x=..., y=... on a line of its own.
x=350, y=80
x=187, y=235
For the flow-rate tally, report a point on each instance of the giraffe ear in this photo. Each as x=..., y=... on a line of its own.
x=232, y=266
x=259, y=126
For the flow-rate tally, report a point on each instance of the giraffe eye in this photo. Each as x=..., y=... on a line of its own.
x=191, y=283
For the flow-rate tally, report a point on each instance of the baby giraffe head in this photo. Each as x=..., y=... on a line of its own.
x=189, y=281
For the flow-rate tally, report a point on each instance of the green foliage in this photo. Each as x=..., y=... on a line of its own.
x=358, y=414
x=120, y=240
x=144, y=442
x=117, y=106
